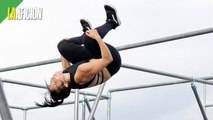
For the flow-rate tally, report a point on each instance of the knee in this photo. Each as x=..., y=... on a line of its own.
x=61, y=46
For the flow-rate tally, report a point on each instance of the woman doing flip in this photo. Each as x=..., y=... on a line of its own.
x=93, y=61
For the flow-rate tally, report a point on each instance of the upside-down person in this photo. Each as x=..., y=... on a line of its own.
x=93, y=61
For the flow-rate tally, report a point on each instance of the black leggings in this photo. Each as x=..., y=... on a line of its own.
x=74, y=52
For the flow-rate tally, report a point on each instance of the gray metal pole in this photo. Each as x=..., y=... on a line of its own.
x=65, y=103
x=73, y=91
x=88, y=106
x=110, y=91
x=101, y=88
x=199, y=101
x=24, y=114
x=146, y=86
x=44, y=87
x=124, y=47
x=83, y=111
x=23, y=83
x=4, y=108
x=33, y=64
x=16, y=107
x=207, y=78
x=166, y=39
x=166, y=74
x=109, y=106
x=76, y=104
x=204, y=96
x=209, y=105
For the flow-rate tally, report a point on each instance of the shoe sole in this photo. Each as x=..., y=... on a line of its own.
x=87, y=22
x=113, y=7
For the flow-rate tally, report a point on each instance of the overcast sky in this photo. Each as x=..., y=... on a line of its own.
x=29, y=41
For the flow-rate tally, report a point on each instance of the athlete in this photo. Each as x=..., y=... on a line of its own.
x=87, y=60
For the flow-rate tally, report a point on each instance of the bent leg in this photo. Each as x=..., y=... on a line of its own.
x=76, y=40
x=104, y=29
x=73, y=51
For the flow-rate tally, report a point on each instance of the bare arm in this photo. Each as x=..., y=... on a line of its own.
x=97, y=65
x=105, y=53
x=65, y=63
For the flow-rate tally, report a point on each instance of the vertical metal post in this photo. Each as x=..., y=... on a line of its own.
x=83, y=110
x=204, y=97
x=198, y=101
x=76, y=104
x=109, y=106
x=101, y=88
x=24, y=114
x=4, y=108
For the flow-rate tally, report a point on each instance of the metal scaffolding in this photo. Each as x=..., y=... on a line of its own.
x=5, y=112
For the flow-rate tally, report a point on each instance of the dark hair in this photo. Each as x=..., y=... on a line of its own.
x=54, y=98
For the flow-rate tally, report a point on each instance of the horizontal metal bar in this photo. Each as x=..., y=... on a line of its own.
x=207, y=78
x=44, y=87
x=90, y=94
x=33, y=64
x=167, y=74
x=16, y=107
x=209, y=105
x=146, y=86
x=66, y=103
x=23, y=83
x=166, y=39
x=119, y=48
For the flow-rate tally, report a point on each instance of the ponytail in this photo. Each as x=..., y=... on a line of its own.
x=54, y=98
x=49, y=102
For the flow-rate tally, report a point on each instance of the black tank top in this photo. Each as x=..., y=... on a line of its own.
x=72, y=70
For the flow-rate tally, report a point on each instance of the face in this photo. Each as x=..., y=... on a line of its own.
x=56, y=82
